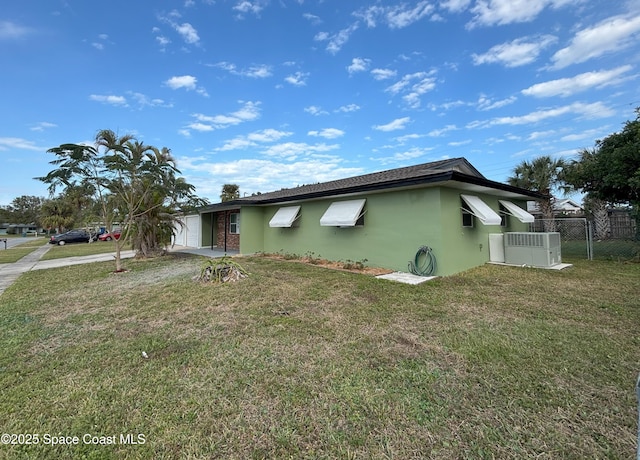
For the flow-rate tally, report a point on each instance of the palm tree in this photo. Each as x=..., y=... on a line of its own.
x=543, y=175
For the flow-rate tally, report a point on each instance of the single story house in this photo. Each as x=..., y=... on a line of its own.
x=561, y=207
x=383, y=218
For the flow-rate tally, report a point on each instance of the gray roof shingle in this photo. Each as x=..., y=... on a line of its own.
x=456, y=168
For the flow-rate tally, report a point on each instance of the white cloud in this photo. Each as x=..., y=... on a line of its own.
x=516, y=53
x=315, y=110
x=262, y=175
x=358, y=65
x=608, y=36
x=338, y=40
x=257, y=71
x=162, y=41
x=18, y=143
x=268, y=135
x=413, y=86
x=202, y=127
x=293, y=150
x=455, y=6
x=501, y=12
x=315, y=20
x=111, y=100
x=187, y=82
x=589, y=134
x=245, y=6
x=11, y=31
x=254, y=71
x=459, y=143
x=248, y=112
x=395, y=17
x=579, y=109
x=144, y=101
x=327, y=133
x=348, y=108
x=442, y=131
x=399, y=16
x=43, y=125
x=398, y=123
x=188, y=33
x=485, y=103
x=404, y=156
x=568, y=86
x=254, y=139
x=383, y=74
x=297, y=79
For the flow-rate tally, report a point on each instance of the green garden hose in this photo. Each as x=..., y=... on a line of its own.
x=428, y=265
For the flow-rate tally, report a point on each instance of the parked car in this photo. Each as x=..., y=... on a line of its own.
x=73, y=236
x=115, y=235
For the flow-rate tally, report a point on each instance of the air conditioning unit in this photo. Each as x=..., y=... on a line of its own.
x=534, y=249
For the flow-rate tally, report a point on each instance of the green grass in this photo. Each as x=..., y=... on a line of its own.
x=81, y=249
x=18, y=252
x=603, y=250
x=299, y=361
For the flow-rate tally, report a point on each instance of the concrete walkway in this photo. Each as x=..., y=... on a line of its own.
x=10, y=272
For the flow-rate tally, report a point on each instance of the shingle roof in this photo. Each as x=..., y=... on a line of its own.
x=438, y=171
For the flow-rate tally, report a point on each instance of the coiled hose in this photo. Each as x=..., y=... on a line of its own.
x=428, y=265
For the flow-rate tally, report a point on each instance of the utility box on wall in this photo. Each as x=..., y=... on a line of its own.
x=531, y=248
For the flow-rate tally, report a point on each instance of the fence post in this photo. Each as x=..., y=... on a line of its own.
x=589, y=224
x=638, y=395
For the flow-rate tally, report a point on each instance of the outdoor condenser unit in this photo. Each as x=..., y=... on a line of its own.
x=535, y=249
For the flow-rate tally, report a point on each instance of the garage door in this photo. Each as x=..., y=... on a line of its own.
x=192, y=229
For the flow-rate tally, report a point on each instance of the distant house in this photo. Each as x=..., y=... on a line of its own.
x=17, y=229
x=383, y=217
x=561, y=207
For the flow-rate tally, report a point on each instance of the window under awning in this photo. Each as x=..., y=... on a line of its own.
x=343, y=213
x=517, y=212
x=285, y=217
x=481, y=210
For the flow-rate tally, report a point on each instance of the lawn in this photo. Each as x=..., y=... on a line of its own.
x=300, y=361
x=81, y=249
x=18, y=252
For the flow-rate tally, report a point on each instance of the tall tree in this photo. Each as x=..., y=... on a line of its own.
x=58, y=214
x=542, y=174
x=611, y=170
x=230, y=192
x=25, y=209
x=131, y=181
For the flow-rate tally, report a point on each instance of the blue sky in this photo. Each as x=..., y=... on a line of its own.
x=269, y=94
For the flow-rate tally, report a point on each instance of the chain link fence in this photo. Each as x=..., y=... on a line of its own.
x=586, y=239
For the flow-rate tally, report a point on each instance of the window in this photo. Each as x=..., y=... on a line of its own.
x=344, y=214
x=285, y=217
x=234, y=223
x=504, y=216
x=516, y=211
x=478, y=208
x=467, y=218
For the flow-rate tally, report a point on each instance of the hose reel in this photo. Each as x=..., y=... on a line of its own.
x=424, y=262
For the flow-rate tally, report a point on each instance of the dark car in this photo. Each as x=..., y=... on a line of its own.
x=73, y=236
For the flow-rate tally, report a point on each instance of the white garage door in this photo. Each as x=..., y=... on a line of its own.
x=192, y=229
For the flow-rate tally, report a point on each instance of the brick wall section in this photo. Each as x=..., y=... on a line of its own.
x=233, y=240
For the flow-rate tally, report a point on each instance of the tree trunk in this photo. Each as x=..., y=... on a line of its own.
x=602, y=224
x=546, y=208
